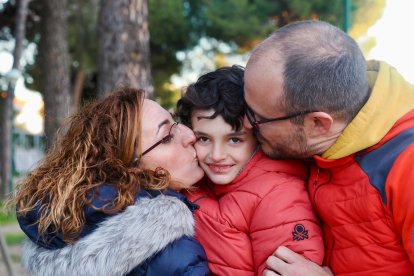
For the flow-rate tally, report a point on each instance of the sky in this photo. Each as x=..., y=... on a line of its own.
x=394, y=36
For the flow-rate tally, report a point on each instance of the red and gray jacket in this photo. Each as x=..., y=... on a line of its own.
x=363, y=186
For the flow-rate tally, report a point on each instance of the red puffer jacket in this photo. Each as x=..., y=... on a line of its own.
x=242, y=223
x=365, y=201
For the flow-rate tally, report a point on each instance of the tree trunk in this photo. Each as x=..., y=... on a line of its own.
x=78, y=87
x=124, y=55
x=54, y=64
x=6, y=105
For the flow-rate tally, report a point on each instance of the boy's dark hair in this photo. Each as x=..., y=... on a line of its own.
x=220, y=90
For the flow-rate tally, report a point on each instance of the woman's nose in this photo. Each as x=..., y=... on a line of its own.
x=246, y=123
x=187, y=135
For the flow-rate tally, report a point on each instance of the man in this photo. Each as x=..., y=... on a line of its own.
x=311, y=93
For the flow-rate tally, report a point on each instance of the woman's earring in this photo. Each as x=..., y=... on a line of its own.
x=135, y=161
x=160, y=172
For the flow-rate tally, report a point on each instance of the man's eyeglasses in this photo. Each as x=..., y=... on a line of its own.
x=164, y=140
x=251, y=116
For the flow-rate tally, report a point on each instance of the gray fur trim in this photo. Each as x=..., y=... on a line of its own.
x=121, y=243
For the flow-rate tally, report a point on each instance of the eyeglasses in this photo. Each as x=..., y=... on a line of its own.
x=251, y=116
x=164, y=140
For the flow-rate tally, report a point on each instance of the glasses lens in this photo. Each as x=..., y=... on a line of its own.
x=173, y=131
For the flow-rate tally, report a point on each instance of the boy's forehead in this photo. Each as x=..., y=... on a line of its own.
x=202, y=122
x=202, y=113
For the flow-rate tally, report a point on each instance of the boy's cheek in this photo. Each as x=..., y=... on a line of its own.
x=201, y=152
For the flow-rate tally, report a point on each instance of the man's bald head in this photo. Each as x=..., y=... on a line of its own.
x=322, y=68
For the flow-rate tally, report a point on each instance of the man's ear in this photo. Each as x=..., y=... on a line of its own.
x=317, y=124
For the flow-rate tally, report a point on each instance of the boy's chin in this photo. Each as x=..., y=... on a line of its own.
x=220, y=180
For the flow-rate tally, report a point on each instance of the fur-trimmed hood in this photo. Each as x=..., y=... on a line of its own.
x=120, y=243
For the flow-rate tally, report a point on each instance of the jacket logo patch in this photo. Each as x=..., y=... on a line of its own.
x=299, y=232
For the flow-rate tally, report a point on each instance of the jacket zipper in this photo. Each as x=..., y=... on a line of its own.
x=317, y=187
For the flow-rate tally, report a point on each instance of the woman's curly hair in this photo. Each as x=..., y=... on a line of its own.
x=99, y=147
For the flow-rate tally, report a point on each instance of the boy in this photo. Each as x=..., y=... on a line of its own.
x=249, y=204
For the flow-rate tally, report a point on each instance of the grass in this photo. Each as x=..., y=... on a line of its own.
x=14, y=238
x=15, y=258
x=6, y=217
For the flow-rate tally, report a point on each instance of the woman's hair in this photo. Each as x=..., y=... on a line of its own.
x=220, y=90
x=98, y=148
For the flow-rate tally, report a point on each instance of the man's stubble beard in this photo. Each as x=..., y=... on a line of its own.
x=284, y=149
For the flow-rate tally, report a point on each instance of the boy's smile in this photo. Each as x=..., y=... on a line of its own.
x=219, y=168
x=222, y=152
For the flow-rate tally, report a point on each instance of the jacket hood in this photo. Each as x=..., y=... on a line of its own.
x=120, y=243
x=54, y=239
x=93, y=216
x=391, y=97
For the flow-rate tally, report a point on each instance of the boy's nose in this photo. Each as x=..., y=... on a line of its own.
x=217, y=153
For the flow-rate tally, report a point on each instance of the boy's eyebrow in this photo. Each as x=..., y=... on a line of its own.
x=200, y=132
x=238, y=133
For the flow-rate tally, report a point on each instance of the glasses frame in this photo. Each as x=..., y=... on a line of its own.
x=164, y=140
x=251, y=117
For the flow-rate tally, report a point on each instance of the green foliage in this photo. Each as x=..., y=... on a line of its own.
x=365, y=14
x=15, y=258
x=178, y=25
x=170, y=31
x=82, y=34
x=14, y=238
x=368, y=44
x=8, y=12
x=6, y=216
x=165, y=94
x=232, y=20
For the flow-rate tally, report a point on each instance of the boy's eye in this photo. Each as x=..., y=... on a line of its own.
x=234, y=140
x=202, y=139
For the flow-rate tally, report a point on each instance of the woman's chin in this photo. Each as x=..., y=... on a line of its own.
x=191, y=179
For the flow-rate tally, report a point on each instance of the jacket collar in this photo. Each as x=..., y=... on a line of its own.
x=391, y=97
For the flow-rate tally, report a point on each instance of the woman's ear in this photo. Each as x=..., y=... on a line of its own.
x=317, y=124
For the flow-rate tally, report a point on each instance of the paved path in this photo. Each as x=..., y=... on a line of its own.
x=14, y=250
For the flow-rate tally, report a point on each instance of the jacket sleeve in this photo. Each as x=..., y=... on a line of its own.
x=185, y=256
x=400, y=198
x=285, y=217
x=119, y=244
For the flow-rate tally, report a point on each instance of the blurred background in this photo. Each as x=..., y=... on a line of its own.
x=57, y=55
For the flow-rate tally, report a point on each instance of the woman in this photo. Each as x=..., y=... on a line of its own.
x=105, y=199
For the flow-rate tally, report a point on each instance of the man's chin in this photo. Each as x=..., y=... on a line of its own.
x=269, y=151
x=278, y=154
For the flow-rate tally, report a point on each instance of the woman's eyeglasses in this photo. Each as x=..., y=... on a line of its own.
x=164, y=140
